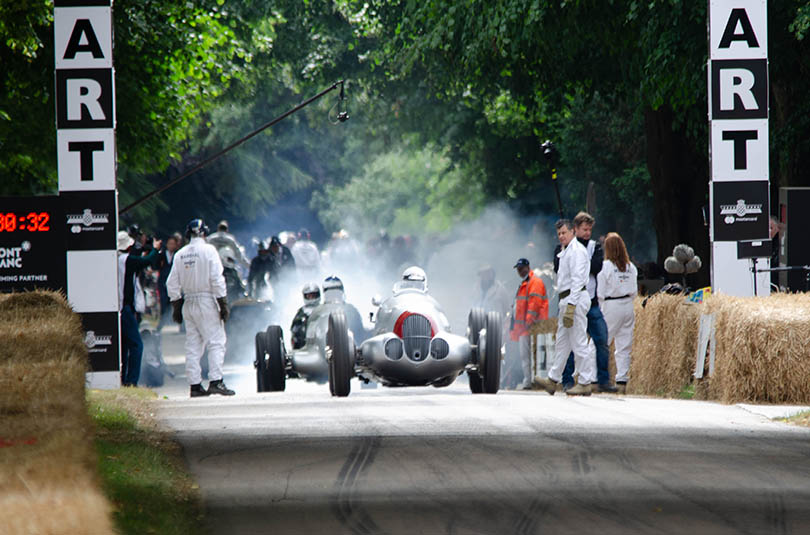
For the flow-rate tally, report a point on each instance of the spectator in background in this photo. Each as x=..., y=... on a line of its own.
x=222, y=238
x=530, y=305
x=129, y=267
x=616, y=287
x=306, y=255
x=774, y=230
x=491, y=294
x=262, y=269
x=164, y=265
x=283, y=256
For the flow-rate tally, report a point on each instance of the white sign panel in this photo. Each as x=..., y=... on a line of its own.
x=739, y=149
x=83, y=37
x=92, y=280
x=86, y=159
x=738, y=29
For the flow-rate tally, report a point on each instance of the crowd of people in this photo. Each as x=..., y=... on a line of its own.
x=595, y=283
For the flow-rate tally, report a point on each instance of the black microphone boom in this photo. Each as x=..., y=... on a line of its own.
x=232, y=146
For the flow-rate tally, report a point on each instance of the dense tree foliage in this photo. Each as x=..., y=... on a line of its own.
x=469, y=88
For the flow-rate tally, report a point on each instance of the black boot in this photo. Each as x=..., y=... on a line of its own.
x=198, y=391
x=218, y=387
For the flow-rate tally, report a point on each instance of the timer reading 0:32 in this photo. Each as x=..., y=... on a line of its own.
x=32, y=222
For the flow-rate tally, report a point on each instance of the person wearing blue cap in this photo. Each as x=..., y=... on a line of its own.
x=531, y=305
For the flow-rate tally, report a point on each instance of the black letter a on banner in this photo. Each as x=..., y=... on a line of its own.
x=729, y=35
x=83, y=27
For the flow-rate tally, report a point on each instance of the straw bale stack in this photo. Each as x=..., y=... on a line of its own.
x=762, y=349
x=47, y=461
x=664, y=345
x=761, y=353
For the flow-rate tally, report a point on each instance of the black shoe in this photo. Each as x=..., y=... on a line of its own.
x=198, y=391
x=218, y=387
x=607, y=389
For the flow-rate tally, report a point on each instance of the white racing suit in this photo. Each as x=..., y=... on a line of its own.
x=616, y=290
x=307, y=259
x=196, y=276
x=575, y=265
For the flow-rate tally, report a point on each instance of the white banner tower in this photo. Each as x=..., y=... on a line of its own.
x=85, y=139
x=738, y=123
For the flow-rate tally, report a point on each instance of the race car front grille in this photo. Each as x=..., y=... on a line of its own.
x=416, y=335
x=439, y=348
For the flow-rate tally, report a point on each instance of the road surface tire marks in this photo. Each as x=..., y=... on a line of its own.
x=346, y=509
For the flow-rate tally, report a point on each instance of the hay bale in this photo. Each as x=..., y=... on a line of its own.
x=546, y=326
x=43, y=388
x=48, y=509
x=664, y=345
x=47, y=458
x=35, y=305
x=762, y=352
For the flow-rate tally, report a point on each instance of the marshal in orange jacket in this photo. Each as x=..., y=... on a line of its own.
x=531, y=305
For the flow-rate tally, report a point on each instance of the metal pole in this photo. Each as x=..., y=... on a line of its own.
x=230, y=147
x=557, y=191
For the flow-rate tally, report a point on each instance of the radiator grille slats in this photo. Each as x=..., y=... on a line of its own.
x=416, y=334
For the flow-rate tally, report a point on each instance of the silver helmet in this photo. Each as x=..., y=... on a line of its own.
x=333, y=290
x=413, y=278
x=312, y=294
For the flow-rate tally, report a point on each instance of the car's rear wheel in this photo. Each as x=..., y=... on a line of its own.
x=475, y=322
x=340, y=363
x=261, y=363
x=491, y=353
x=275, y=380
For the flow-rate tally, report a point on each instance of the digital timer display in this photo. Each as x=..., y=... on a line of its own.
x=30, y=222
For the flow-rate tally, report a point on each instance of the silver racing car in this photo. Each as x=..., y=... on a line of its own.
x=411, y=344
x=309, y=361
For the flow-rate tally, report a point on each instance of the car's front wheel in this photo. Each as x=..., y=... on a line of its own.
x=340, y=362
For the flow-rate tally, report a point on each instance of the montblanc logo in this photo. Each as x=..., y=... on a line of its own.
x=737, y=212
x=86, y=220
x=11, y=257
x=91, y=340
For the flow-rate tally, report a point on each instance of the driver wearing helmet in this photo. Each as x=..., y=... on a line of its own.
x=413, y=278
x=312, y=298
x=333, y=292
x=197, y=292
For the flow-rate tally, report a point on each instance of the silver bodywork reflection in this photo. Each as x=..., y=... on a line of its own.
x=310, y=360
x=412, y=343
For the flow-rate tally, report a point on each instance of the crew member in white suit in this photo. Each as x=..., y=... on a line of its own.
x=197, y=292
x=616, y=287
x=572, y=281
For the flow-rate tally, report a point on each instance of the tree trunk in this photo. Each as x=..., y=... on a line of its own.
x=680, y=184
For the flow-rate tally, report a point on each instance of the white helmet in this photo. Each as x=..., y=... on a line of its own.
x=414, y=277
x=333, y=290
x=312, y=294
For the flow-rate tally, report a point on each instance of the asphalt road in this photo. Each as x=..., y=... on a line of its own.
x=434, y=461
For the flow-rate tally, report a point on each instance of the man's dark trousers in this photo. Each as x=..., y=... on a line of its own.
x=131, y=347
x=597, y=330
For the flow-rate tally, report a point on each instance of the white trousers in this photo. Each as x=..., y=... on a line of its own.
x=620, y=318
x=204, y=328
x=574, y=338
x=525, y=345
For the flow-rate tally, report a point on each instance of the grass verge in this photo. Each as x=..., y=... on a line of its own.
x=802, y=418
x=141, y=468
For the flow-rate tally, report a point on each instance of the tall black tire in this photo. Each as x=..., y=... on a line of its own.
x=475, y=322
x=491, y=353
x=275, y=378
x=261, y=363
x=340, y=365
